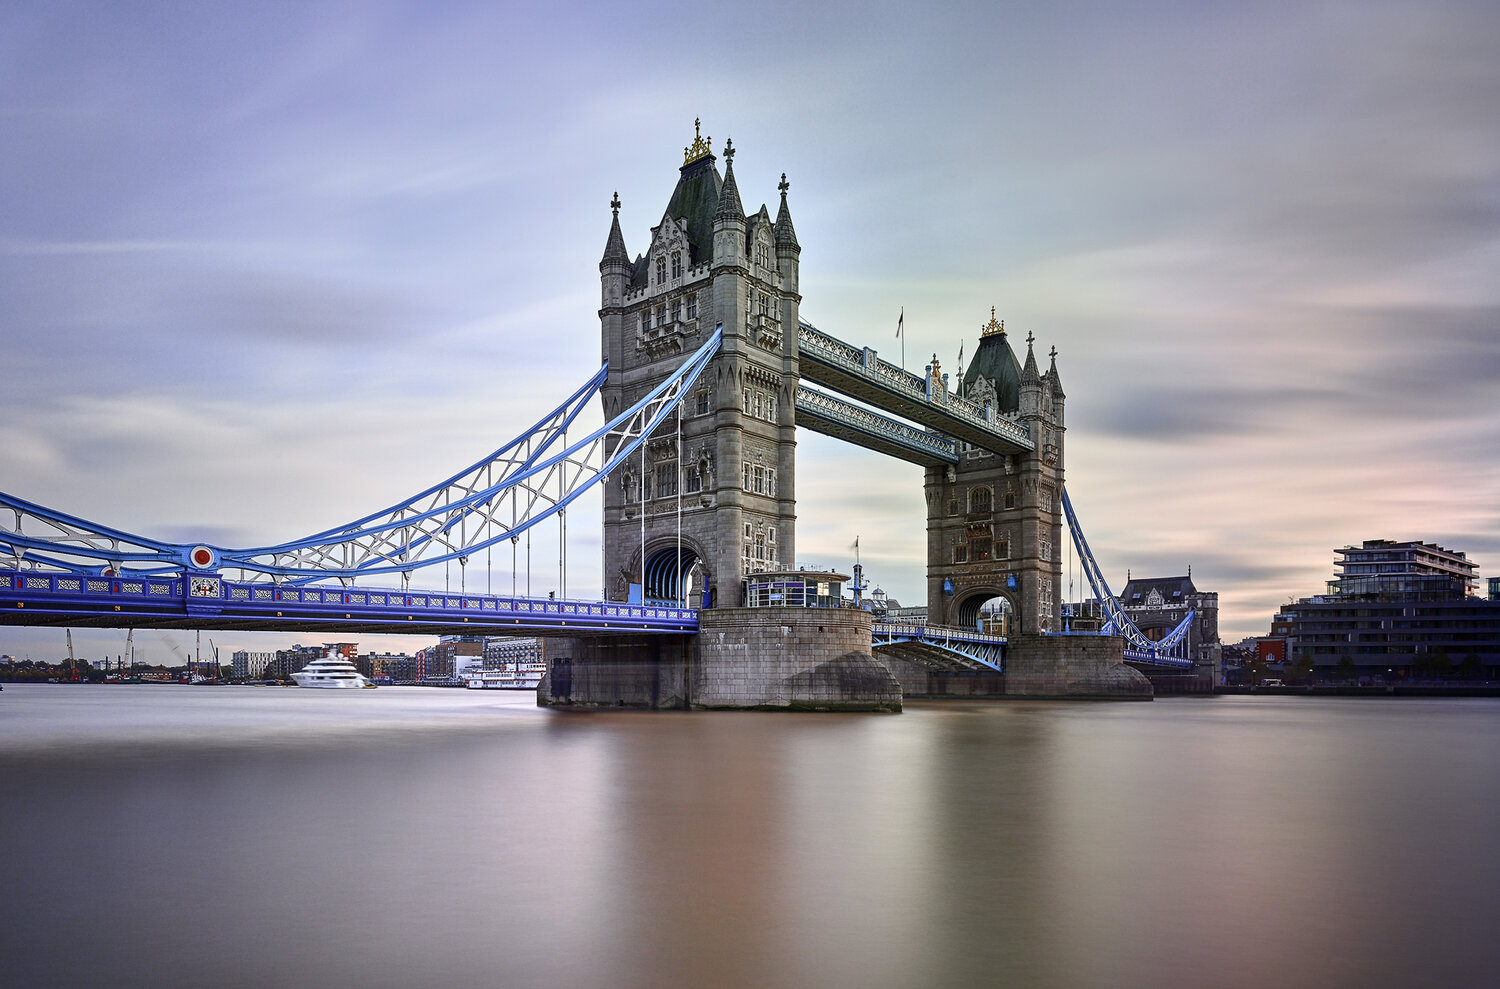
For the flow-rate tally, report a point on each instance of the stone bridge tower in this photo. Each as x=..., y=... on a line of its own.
x=708, y=265
x=995, y=522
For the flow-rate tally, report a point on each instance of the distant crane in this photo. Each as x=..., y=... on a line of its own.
x=72, y=663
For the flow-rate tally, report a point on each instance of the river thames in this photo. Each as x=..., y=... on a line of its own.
x=401, y=837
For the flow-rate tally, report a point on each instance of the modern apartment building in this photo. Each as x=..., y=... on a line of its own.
x=1395, y=610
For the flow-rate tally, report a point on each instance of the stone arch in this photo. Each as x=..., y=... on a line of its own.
x=970, y=607
x=670, y=574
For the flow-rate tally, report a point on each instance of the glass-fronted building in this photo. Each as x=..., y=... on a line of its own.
x=1396, y=610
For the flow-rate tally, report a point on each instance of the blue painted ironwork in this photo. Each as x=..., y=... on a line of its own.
x=843, y=420
x=963, y=647
x=1170, y=650
x=207, y=601
x=861, y=374
x=496, y=499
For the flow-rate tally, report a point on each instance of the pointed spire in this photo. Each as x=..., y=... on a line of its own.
x=1052, y=379
x=786, y=237
x=614, y=248
x=1029, y=371
x=729, y=195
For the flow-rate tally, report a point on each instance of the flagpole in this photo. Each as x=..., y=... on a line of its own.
x=900, y=325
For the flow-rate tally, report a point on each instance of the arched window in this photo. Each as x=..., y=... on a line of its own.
x=979, y=500
x=661, y=270
x=1010, y=497
x=676, y=264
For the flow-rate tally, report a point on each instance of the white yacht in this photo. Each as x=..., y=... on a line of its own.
x=332, y=670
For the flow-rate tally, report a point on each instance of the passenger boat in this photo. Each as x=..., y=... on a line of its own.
x=513, y=676
x=332, y=670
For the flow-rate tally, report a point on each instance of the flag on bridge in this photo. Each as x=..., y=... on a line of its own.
x=900, y=322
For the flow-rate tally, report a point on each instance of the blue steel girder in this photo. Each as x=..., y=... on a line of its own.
x=1169, y=650
x=963, y=648
x=862, y=375
x=831, y=416
x=498, y=498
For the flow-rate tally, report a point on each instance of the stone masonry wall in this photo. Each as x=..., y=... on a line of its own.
x=1083, y=667
x=797, y=658
x=1072, y=666
x=630, y=671
x=815, y=659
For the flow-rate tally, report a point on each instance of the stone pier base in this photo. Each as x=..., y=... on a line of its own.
x=1072, y=666
x=800, y=659
x=1077, y=667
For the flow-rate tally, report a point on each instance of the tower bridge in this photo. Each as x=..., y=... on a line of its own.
x=708, y=370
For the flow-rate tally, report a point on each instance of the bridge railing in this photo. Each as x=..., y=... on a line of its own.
x=934, y=633
x=203, y=596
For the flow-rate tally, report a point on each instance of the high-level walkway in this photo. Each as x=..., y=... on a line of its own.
x=861, y=374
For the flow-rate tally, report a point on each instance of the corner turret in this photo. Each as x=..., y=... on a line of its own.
x=615, y=267
x=788, y=251
x=786, y=237
x=729, y=218
x=615, y=253
x=1031, y=383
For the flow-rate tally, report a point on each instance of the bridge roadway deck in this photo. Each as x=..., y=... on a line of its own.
x=31, y=598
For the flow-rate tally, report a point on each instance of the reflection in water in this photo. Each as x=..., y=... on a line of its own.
x=404, y=837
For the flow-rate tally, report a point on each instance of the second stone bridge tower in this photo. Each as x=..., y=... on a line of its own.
x=995, y=519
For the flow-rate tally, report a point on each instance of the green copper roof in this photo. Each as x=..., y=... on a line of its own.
x=695, y=199
x=995, y=360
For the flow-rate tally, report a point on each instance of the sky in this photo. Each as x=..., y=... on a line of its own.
x=265, y=268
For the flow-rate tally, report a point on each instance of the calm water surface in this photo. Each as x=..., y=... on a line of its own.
x=194, y=836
